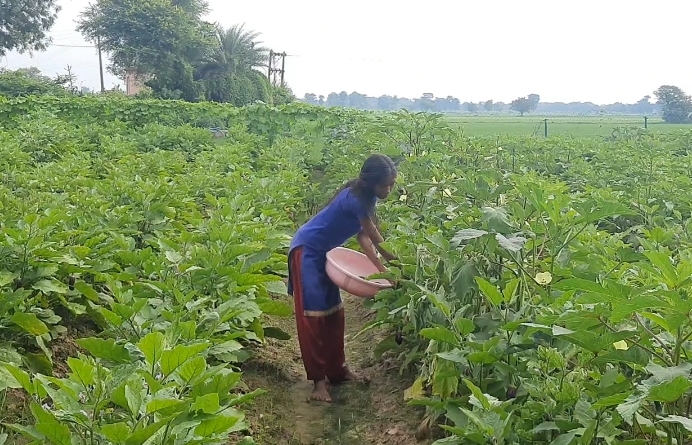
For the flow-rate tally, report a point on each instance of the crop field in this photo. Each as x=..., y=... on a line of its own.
x=543, y=293
x=576, y=126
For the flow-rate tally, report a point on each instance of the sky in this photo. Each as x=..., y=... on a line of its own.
x=601, y=51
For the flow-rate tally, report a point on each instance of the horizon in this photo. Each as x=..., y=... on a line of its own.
x=529, y=48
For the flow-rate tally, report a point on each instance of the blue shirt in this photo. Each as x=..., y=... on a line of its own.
x=334, y=224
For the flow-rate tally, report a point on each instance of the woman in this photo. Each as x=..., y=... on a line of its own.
x=318, y=306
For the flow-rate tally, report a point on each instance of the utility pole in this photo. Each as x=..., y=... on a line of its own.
x=274, y=73
x=98, y=46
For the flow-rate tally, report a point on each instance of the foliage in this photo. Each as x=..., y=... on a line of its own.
x=24, y=24
x=28, y=82
x=525, y=105
x=677, y=105
x=148, y=36
x=542, y=290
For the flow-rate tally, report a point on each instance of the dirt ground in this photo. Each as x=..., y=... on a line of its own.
x=361, y=414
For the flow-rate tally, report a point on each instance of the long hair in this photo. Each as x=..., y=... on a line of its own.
x=375, y=170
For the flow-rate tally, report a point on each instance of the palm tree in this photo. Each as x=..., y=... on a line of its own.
x=232, y=73
x=239, y=51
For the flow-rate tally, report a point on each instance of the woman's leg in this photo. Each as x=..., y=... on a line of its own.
x=311, y=334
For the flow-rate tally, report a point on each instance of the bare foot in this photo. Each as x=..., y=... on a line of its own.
x=353, y=377
x=321, y=392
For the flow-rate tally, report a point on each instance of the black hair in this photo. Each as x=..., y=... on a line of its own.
x=375, y=170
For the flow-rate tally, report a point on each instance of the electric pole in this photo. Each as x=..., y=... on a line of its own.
x=98, y=45
x=275, y=75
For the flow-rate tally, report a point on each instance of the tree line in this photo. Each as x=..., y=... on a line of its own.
x=671, y=102
x=165, y=43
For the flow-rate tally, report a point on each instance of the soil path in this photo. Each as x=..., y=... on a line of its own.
x=373, y=414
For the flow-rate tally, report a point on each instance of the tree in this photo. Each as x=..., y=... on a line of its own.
x=233, y=65
x=27, y=82
x=24, y=23
x=488, y=105
x=471, y=107
x=523, y=105
x=150, y=36
x=310, y=98
x=676, y=104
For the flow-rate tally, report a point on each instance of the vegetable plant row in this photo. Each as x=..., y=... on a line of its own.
x=542, y=293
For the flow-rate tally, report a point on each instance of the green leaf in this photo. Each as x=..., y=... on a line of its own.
x=686, y=422
x=171, y=359
x=496, y=219
x=275, y=307
x=276, y=287
x=564, y=439
x=467, y=234
x=489, y=291
x=669, y=392
x=157, y=405
x=134, y=394
x=277, y=333
x=82, y=372
x=456, y=355
x=512, y=244
x=116, y=432
x=152, y=346
x=218, y=425
x=208, y=403
x=85, y=289
x=140, y=436
x=30, y=323
x=439, y=334
x=192, y=368
x=6, y=277
x=464, y=325
x=51, y=286
x=105, y=349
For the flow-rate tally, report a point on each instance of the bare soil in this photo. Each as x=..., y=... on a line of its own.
x=361, y=414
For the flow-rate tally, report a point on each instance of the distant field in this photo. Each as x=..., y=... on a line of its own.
x=577, y=126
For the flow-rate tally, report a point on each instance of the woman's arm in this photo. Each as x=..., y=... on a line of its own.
x=375, y=238
x=369, y=250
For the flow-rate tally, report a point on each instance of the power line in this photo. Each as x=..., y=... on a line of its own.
x=71, y=46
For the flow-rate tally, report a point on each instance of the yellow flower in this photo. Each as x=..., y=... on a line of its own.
x=544, y=278
x=403, y=198
x=621, y=345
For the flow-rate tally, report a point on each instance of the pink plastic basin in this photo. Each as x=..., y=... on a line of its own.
x=349, y=269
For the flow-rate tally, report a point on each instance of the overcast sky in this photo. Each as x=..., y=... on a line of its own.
x=588, y=50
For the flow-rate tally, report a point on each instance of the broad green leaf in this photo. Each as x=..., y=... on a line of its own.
x=496, y=219
x=467, y=234
x=220, y=424
x=456, y=355
x=276, y=287
x=664, y=265
x=564, y=439
x=156, y=405
x=625, y=308
x=208, y=403
x=669, y=392
x=50, y=286
x=141, y=435
x=512, y=244
x=152, y=346
x=439, y=334
x=464, y=325
x=105, y=349
x=82, y=372
x=6, y=277
x=85, y=289
x=510, y=289
x=30, y=323
x=58, y=434
x=116, y=432
x=171, y=359
x=134, y=394
x=276, y=307
x=686, y=422
x=489, y=291
x=277, y=333
x=192, y=368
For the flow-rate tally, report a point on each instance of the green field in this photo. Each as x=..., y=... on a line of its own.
x=543, y=293
x=577, y=126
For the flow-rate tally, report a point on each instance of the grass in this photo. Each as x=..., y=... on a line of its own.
x=577, y=126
